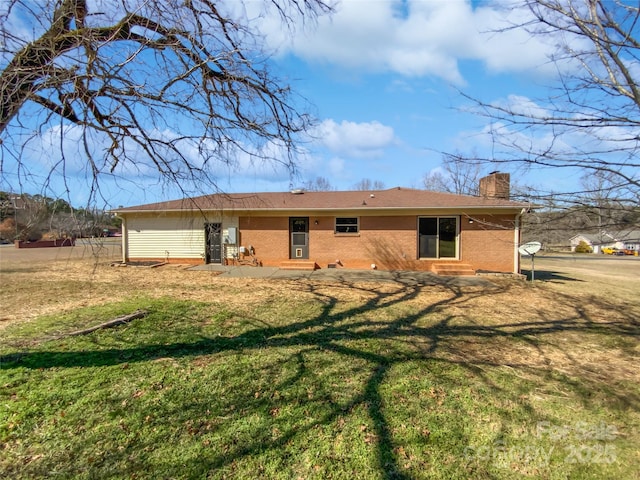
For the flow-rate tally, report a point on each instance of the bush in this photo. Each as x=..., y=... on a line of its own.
x=583, y=247
x=8, y=229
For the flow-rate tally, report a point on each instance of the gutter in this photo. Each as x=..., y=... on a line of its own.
x=513, y=208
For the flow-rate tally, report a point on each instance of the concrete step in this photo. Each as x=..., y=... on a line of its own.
x=299, y=265
x=453, y=269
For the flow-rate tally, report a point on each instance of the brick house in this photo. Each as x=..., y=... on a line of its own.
x=394, y=229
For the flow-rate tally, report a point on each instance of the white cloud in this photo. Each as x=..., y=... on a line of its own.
x=512, y=49
x=360, y=140
x=419, y=38
x=522, y=106
x=59, y=153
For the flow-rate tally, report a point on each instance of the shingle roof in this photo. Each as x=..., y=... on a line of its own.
x=628, y=235
x=394, y=198
x=593, y=238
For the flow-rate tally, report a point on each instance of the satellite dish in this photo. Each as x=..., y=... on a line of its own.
x=529, y=248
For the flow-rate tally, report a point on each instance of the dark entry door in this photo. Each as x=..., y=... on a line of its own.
x=299, y=237
x=213, y=235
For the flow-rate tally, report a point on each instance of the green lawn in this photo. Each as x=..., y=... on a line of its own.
x=414, y=382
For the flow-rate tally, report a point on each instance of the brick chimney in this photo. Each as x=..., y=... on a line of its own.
x=495, y=185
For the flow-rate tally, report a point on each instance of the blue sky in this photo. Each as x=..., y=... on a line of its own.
x=383, y=78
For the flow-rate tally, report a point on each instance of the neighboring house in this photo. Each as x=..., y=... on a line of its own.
x=597, y=241
x=629, y=240
x=394, y=229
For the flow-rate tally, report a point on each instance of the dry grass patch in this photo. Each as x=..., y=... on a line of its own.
x=553, y=321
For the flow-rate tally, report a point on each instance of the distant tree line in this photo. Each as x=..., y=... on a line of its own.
x=322, y=184
x=34, y=217
x=557, y=226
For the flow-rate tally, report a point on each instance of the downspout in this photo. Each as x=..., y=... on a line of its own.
x=125, y=239
x=516, y=241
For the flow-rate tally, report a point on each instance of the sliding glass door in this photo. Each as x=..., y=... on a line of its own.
x=438, y=237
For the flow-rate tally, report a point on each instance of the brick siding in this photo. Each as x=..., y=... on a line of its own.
x=388, y=242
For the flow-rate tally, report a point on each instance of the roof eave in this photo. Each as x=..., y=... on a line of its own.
x=463, y=208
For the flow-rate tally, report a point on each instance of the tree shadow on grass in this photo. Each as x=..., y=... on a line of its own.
x=549, y=276
x=355, y=335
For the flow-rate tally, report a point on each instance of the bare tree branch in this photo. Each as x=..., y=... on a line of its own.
x=591, y=121
x=457, y=175
x=143, y=79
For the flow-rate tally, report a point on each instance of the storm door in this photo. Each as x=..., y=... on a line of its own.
x=299, y=237
x=213, y=235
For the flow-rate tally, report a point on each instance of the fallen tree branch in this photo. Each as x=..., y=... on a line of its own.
x=111, y=323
